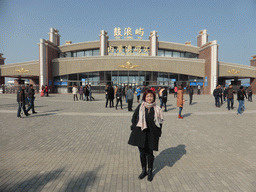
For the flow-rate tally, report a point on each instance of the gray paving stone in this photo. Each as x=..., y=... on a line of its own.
x=82, y=146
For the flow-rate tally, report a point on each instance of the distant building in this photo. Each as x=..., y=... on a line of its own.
x=128, y=61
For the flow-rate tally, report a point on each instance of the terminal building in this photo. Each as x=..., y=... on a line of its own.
x=127, y=60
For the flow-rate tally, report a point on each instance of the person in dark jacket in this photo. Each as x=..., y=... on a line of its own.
x=240, y=98
x=216, y=94
x=230, y=96
x=86, y=93
x=21, y=101
x=146, y=129
x=249, y=92
x=111, y=96
x=191, y=93
x=119, y=97
x=221, y=94
x=31, y=96
x=164, y=99
x=129, y=96
x=225, y=92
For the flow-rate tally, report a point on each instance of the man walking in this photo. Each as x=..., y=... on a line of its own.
x=249, y=91
x=216, y=95
x=130, y=98
x=240, y=98
x=21, y=101
x=31, y=97
x=191, y=92
x=230, y=97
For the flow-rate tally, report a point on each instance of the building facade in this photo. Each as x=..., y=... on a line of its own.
x=128, y=61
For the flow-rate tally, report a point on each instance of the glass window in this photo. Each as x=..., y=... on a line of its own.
x=161, y=52
x=88, y=53
x=189, y=55
x=80, y=53
x=72, y=77
x=176, y=54
x=73, y=54
x=96, y=52
x=68, y=54
x=182, y=54
x=168, y=53
x=64, y=77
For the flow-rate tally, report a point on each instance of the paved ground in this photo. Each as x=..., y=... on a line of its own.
x=82, y=146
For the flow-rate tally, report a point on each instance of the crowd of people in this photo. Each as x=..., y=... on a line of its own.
x=85, y=93
x=227, y=94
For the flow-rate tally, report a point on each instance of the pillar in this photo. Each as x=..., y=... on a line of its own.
x=153, y=43
x=103, y=42
x=42, y=63
x=2, y=79
x=202, y=38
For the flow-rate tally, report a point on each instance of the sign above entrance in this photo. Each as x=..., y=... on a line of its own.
x=129, y=65
x=128, y=33
x=128, y=50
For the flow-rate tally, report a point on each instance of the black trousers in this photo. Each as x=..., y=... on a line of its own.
x=163, y=104
x=138, y=98
x=190, y=99
x=117, y=101
x=75, y=96
x=221, y=99
x=144, y=154
x=130, y=101
x=81, y=97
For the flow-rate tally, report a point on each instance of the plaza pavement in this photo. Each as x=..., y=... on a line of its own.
x=82, y=146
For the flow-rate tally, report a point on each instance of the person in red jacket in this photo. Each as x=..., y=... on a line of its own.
x=46, y=90
x=153, y=89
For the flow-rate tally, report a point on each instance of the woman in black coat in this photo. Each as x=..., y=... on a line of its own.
x=146, y=130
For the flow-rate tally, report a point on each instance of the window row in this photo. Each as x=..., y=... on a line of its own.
x=87, y=53
x=169, y=53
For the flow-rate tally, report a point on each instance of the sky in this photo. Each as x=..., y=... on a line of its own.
x=231, y=22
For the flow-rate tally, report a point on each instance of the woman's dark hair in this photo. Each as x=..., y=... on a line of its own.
x=147, y=92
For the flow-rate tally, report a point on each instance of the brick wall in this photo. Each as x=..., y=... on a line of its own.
x=206, y=54
x=51, y=53
x=253, y=80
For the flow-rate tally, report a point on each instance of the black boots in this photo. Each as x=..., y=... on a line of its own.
x=150, y=174
x=143, y=173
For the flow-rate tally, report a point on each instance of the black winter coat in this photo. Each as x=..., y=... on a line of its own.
x=149, y=137
x=31, y=93
x=111, y=93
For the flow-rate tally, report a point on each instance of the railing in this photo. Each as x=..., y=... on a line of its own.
x=12, y=89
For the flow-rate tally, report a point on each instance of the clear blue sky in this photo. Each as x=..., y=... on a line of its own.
x=231, y=22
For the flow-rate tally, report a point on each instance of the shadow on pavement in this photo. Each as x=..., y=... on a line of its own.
x=168, y=157
x=193, y=103
x=187, y=114
x=34, y=183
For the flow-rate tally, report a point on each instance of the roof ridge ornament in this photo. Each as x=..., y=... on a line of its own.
x=233, y=71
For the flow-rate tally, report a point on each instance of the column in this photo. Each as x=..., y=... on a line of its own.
x=103, y=42
x=202, y=38
x=2, y=79
x=42, y=63
x=214, y=65
x=153, y=43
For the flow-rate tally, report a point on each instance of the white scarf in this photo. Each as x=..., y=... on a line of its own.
x=158, y=116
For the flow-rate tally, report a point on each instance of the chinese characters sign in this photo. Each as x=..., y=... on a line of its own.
x=128, y=50
x=128, y=33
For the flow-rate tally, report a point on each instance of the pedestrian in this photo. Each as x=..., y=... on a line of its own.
x=106, y=95
x=230, y=97
x=81, y=92
x=111, y=96
x=225, y=92
x=216, y=95
x=146, y=129
x=42, y=91
x=86, y=93
x=21, y=98
x=244, y=93
x=119, y=97
x=221, y=94
x=130, y=98
x=124, y=91
x=153, y=89
x=90, y=92
x=180, y=100
x=138, y=90
x=240, y=98
x=198, y=89
x=164, y=98
x=249, y=92
x=31, y=98
x=160, y=95
x=175, y=91
x=46, y=91
x=191, y=93
x=75, y=91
